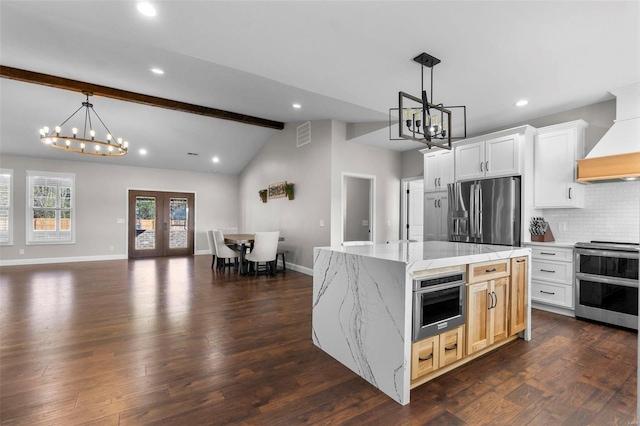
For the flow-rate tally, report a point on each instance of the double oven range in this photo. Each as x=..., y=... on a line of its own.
x=606, y=281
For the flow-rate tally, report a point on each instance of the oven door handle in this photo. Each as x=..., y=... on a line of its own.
x=607, y=280
x=609, y=253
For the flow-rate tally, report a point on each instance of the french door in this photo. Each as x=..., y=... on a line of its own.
x=160, y=223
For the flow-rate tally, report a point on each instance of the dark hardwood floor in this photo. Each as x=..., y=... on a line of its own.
x=170, y=341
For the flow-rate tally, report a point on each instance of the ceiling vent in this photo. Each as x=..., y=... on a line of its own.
x=304, y=134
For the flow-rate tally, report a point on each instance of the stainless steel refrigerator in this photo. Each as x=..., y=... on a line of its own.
x=485, y=211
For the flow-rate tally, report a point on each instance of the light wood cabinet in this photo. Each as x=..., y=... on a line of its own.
x=438, y=170
x=488, y=295
x=556, y=149
x=436, y=352
x=436, y=209
x=489, y=158
x=518, y=296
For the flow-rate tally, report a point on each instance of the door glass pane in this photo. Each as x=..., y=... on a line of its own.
x=178, y=222
x=145, y=223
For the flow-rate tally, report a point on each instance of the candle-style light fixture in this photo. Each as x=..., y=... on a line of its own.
x=422, y=120
x=80, y=142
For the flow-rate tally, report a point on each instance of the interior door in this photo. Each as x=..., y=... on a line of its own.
x=160, y=223
x=415, y=209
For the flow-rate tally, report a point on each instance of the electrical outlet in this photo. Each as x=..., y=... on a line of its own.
x=110, y=248
x=365, y=223
x=321, y=222
x=120, y=220
x=562, y=226
x=21, y=251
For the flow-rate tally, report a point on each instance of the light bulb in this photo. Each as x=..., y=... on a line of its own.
x=126, y=144
x=47, y=141
x=58, y=129
x=46, y=130
x=97, y=147
x=82, y=146
x=109, y=137
x=75, y=131
x=110, y=148
x=92, y=133
x=41, y=132
x=54, y=139
x=68, y=142
x=119, y=141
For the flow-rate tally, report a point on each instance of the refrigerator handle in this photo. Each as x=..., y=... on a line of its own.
x=479, y=210
x=472, y=210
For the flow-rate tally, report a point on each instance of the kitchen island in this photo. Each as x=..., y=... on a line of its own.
x=362, y=303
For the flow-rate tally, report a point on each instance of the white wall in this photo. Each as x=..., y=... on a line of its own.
x=101, y=199
x=308, y=167
x=384, y=164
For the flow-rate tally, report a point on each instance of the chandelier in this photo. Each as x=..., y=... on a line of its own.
x=420, y=119
x=80, y=142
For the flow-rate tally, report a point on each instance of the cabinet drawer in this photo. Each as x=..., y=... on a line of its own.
x=556, y=254
x=485, y=271
x=451, y=346
x=552, y=294
x=557, y=272
x=425, y=356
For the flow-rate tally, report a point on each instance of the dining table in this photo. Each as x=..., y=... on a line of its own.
x=243, y=241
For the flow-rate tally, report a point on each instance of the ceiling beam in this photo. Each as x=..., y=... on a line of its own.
x=138, y=98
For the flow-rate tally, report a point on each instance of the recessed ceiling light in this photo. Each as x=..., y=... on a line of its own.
x=146, y=9
x=156, y=71
x=297, y=106
x=522, y=102
x=216, y=159
x=143, y=151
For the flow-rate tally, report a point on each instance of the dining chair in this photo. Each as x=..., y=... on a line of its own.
x=224, y=253
x=212, y=246
x=265, y=247
x=357, y=243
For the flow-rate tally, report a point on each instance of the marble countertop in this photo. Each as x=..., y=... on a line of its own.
x=431, y=254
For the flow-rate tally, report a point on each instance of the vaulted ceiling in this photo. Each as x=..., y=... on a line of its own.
x=342, y=60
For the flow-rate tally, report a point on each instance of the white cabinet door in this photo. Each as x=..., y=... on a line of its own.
x=443, y=206
x=416, y=212
x=431, y=171
x=469, y=160
x=555, y=155
x=438, y=170
x=435, y=218
x=446, y=169
x=502, y=156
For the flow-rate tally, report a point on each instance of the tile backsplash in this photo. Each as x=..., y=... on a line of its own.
x=611, y=213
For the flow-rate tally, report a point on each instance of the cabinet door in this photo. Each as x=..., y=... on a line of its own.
x=432, y=216
x=468, y=160
x=478, y=318
x=451, y=346
x=500, y=310
x=446, y=169
x=425, y=356
x=502, y=156
x=443, y=206
x=518, y=290
x=431, y=171
x=554, y=170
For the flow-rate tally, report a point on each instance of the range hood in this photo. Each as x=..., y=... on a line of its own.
x=617, y=156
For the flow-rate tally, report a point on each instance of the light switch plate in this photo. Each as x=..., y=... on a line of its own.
x=365, y=223
x=120, y=220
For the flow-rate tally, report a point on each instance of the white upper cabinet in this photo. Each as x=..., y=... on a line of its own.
x=556, y=149
x=438, y=170
x=436, y=209
x=489, y=158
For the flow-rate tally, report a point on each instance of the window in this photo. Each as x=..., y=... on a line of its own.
x=6, y=207
x=50, y=207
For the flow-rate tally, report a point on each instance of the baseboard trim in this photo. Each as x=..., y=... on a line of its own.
x=47, y=260
x=553, y=309
x=298, y=268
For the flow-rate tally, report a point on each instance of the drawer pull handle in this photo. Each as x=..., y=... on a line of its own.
x=547, y=270
x=450, y=348
x=520, y=261
x=490, y=270
x=546, y=292
x=427, y=358
x=548, y=254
